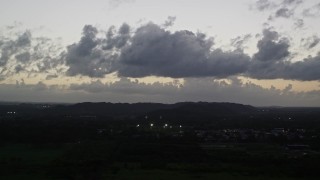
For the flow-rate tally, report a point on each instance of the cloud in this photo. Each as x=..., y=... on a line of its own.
x=95, y=57
x=51, y=76
x=299, y=23
x=86, y=57
x=239, y=41
x=192, y=89
x=156, y=51
x=308, y=69
x=170, y=21
x=10, y=47
x=270, y=61
x=264, y=5
x=18, y=68
x=279, y=9
x=117, y=3
x=197, y=89
x=272, y=4
x=271, y=47
x=21, y=52
x=291, y=2
x=312, y=12
x=153, y=50
x=311, y=42
x=117, y=39
x=284, y=13
x=23, y=57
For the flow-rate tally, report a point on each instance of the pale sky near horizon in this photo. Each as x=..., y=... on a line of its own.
x=259, y=52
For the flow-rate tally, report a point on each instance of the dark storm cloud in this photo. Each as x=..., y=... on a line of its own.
x=155, y=51
x=271, y=48
x=151, y=50
x=269, y=62
x=305, y=70
x=86, y=57
x=117, y=39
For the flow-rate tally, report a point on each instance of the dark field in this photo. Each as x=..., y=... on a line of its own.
x=185, y=141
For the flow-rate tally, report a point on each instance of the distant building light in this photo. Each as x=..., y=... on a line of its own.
x=180, y=126
x=151, y=125
x=138, y=125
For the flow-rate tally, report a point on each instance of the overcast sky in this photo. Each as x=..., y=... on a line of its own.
x=258, y=52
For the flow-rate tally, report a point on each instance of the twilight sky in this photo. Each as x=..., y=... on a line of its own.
x=258, y=52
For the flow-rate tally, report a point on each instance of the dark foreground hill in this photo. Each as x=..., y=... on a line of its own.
x=158, y=141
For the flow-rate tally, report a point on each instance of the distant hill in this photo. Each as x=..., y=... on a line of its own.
x=203, y=110
x=110, y=109
x=183, y=109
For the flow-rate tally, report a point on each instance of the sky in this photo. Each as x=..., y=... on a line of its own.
x=257, y=52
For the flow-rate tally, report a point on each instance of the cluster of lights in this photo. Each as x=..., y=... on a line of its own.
x=11, y=112
x=164, y=126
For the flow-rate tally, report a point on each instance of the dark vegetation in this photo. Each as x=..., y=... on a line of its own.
x=158, y=141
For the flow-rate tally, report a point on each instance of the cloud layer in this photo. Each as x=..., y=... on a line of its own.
x=152, y=50
x=125, y=90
